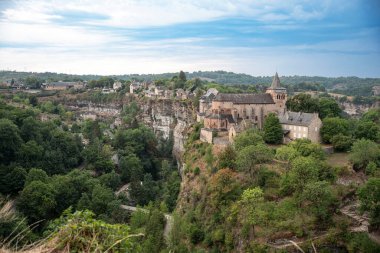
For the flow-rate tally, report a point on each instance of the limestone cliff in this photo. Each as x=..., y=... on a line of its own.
x=168, y=118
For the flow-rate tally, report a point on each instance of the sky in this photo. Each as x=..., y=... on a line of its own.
x=257, y=37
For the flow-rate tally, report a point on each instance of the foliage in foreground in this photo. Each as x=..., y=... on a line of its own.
x=81, y=232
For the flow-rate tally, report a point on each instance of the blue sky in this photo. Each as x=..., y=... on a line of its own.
x=258, y=37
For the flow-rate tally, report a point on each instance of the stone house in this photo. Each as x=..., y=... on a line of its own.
x=376, y=90
x=297, y=125
x=134, y=86
x=58, y=85
x=117, y=85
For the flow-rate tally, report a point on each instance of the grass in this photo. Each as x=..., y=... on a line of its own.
x=338, y=160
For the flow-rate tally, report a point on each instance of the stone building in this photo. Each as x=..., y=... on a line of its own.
x=117, y=85
x=297, y=125
x=232, y=113
x=230, y=109
x=134, y=86
x=376, y=90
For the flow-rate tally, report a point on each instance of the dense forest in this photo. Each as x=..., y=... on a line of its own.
x=58, y=171
x=351, y=86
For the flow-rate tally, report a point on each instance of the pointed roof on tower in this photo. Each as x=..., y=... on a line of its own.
x=276, y=82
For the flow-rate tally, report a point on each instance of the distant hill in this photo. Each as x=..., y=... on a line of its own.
x=344, y=85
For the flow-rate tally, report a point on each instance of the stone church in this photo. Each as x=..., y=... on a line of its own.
x=226, y=115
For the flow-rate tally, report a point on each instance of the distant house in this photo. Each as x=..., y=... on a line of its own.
x=205, y=102
x=107, y=90
x=134, y=86
x=117, y=85
x=80, y=85
x=62, y=85
x=376, y=90
x=297, y=125
x=181, y=94
x=159, y=91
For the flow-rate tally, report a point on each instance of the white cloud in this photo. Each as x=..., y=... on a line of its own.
x=52, y=35
x=136, y=13
x=155, y=57
x=62, y=46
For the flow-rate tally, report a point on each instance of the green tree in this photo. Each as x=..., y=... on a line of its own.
x=318, y=199
x=286, y=153
x=251, y=156
x=247, y=138
x=306, y=148
x=302, y=103
x=37, y=201
x=227, y=158
x=272, y=129
x=33, y=100
x=369, y=196
x=372, y=115
x=224, y=188
x=154, y=241
x=10, y=141
x=341, y=142
x=36, y=175
x=182, y=76
x=30, y=154
x=131, y=168
x=364, y=151
x=328, y=107
x=332, y=127
x=144, y=191
x=33, y=82
x=367, y=130
x=111, y=180
x=100, y=198
x=11, y=179
x=250, y=202
x=304, y=170
x=31, y=129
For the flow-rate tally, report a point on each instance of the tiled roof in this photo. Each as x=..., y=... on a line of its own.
x=296, y=118
x=245, y=98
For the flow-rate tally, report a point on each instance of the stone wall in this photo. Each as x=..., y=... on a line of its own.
x=206, y=135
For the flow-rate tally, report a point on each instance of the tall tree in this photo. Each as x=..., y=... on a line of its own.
x=369, y=196
x=10, y=141
x=37, y=201
x=272, y=129
x=328, y=107
x=332, y=127
x=364, y=151
x=182, y=76
x=303, y=103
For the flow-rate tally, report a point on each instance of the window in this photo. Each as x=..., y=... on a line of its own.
x=304, y=136
x=316, y=129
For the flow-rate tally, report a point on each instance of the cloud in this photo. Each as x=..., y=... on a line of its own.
x=153, y=36
x=137, y=14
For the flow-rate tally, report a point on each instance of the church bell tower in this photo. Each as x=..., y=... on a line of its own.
x=278, y=93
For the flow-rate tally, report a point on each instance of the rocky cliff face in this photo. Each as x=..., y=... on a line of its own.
x=357, y=110
x=168, y=118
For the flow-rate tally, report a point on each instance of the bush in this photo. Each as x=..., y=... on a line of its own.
x=80, y=232
x=341, y=142
x=197, y=171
